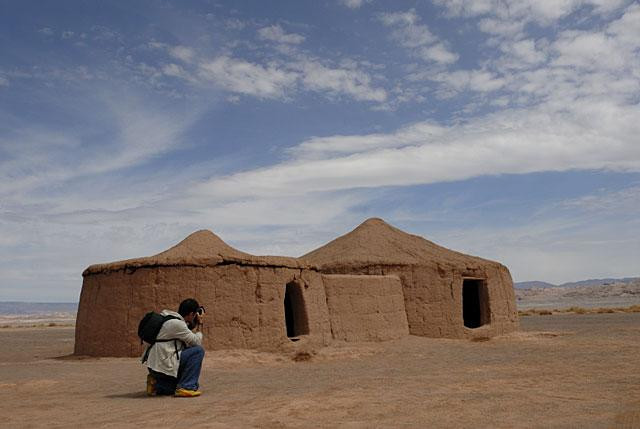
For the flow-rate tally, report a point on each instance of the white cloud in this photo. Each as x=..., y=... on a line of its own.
x=276, y=79
x=438, y=53
x=102, y=33
x=505, y=28
x=4, y=81
x=601, y=136
x=235, y=24
x=354, y=4
x=416, y=37
x=38, y=157
x=338, y=81
x=585, y=50
x=522, y=53
x=175, y=71
x=562, y=246
x=46, y=31
x=408, y=31
x=247, y=78
x=183, y=53
x=627, y=28
x=625, y=202
x=328, y=147
x=542, y=11
x=275, y=33
x=474, y=80
x=505, y=17
x=571, y=66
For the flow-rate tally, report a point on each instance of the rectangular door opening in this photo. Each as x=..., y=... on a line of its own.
x=295, y=313
x=475, y=303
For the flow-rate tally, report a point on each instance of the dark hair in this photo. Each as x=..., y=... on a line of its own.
x=187, y=306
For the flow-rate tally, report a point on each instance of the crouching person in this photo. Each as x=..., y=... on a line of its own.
x=175, y=358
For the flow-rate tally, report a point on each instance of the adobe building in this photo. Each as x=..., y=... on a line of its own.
x=376, y=283
x=447, y=294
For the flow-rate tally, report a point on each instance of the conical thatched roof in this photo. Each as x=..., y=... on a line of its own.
x=202, y=248
x=376, y=242
x=202, y=244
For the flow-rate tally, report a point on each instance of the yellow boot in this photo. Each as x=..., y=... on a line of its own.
x=151, y=385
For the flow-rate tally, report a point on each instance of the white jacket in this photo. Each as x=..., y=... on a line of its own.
x=162, y=356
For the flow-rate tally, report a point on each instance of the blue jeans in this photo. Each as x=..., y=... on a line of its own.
x=188, y=373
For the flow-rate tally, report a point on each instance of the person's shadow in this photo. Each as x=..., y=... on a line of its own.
x=132, y=395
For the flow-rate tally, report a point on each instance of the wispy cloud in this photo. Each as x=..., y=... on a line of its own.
x=46, y=31
x=183, y=53
x=522, y=141
x=540, y=12
x=275, y=33
x=416, y=37
x=354, y=4
x=278, y=78
x=40, y=157
x=243, y=77
x=463, y=80
x=338, y=81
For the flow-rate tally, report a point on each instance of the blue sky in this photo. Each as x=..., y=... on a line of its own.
x=506, y=129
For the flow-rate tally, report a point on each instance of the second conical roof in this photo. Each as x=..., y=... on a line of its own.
x=376, y=242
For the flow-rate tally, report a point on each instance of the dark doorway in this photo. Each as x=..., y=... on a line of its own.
x=295, y=313
x=475, y=303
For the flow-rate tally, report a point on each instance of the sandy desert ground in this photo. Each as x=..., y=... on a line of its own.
x=558, y=371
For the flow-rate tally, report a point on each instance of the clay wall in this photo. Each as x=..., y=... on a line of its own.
x=365, y=308
x=433, y=297
x=244, y=306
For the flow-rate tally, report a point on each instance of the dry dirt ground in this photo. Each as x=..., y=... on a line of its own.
x=559, y=371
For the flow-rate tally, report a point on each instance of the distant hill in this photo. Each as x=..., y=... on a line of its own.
x=599, y=282
x=29, y=308
x=532, y=284
x=605, y=293
x=590, y=282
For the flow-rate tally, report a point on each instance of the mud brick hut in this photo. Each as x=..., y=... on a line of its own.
x=375, y=283
x=446, y=294
x=254, y=302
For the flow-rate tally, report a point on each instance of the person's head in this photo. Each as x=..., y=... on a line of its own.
x=188, y=309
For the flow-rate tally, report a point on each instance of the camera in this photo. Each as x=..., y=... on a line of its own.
x=200, y=310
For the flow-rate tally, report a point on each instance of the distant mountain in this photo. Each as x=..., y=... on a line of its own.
x=532, y=284
x=598, y=282
x=27, y=308
x=608, y=294
x=590, y=282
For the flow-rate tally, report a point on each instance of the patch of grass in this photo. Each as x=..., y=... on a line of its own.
x=535, y=312
x=302, y=357
x=39, y=325
x=580, y=310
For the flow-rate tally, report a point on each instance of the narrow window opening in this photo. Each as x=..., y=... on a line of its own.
x=475, y=303
x=295, y=313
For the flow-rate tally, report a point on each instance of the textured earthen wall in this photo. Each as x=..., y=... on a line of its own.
x=365, y=308
x=433, y=297
x=244, y=306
